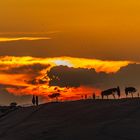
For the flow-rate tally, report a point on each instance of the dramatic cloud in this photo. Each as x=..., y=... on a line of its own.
x=129, y=75
x=98, y=65
x=64, y=76
x=26, y=69
x=75, y=77
x=71, y=77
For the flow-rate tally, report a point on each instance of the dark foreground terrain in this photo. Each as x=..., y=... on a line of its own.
x=79, y=120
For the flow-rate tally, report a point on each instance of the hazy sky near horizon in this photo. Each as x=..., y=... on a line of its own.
x=102, y=29
x=35, y=35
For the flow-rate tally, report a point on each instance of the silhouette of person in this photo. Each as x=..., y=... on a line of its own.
x=36, y=100
x=85, y=96
x=33, y=100
x=94, y=96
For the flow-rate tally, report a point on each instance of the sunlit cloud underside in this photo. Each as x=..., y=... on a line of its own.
x=22, y=75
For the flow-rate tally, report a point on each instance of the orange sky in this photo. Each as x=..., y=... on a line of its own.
x=86, y=32
x=48, y=15
x=78, y=28
x=16, y=73
x=60, y=15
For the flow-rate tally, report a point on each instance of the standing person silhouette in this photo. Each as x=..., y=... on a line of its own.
x=33, y=100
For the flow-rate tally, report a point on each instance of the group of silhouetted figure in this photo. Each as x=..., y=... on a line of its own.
x=35, y=100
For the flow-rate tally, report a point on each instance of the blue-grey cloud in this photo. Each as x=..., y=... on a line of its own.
x=74, y=77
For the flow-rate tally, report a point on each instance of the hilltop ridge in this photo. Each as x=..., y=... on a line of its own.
x=76, y=120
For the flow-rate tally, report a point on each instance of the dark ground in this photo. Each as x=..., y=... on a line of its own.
x=79, y=120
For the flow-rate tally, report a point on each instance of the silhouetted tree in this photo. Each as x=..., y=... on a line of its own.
x=94, y=96
x=111, y=91
x=54, y=95
x=13, y=105
x=85, y=96
x=130, y=90
x=33, y=100
x=37, y=100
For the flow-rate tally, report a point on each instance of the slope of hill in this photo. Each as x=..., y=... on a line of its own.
x=78, y=120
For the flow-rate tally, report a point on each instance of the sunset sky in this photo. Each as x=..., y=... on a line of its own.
x=41, y=39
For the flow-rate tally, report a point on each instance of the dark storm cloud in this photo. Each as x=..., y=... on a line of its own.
x=36, y=81
x=74, y=77
x=31, y=70
x=64, y=76
x=129, y=75
x=26, y=69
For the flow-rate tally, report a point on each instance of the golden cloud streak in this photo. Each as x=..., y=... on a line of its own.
x=98, y=65
x=9, y=39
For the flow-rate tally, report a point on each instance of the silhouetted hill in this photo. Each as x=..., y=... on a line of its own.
x=77, y=120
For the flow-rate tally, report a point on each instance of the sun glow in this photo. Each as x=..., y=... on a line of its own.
x=21, y=75
x=98, y=65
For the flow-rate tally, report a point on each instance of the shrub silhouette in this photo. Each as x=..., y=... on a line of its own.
x=13, y=105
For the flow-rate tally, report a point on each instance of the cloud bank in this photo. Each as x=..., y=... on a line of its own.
x=64, y=76
x=72, y=77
